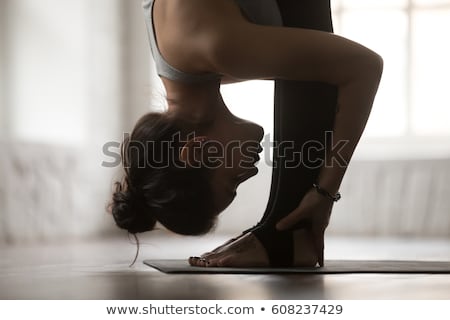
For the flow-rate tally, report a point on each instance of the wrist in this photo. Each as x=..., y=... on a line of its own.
x=324, y=192
x=330, y=179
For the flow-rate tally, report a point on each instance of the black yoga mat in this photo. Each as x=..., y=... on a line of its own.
x=331, y=267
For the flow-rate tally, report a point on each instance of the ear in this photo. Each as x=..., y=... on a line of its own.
x=191, y=153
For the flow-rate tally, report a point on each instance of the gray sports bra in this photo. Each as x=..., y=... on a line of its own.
x=265, y=12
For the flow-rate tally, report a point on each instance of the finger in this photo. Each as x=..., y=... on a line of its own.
x=289, y=221
x=318, y=235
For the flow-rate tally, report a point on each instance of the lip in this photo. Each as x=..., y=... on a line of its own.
x=254, y=160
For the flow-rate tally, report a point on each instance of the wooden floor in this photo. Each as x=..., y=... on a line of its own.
x=99, y=270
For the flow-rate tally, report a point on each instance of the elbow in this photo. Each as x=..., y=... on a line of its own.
x=377, y=64
x=363, y=66
x=371, y=68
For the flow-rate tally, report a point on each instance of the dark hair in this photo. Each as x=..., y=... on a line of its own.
x=157, y=186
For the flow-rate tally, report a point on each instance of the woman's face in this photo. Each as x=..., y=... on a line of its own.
x=231, y=151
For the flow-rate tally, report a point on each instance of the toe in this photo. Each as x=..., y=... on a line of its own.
x=197, y=261
x=203, y=262
x=193, y=261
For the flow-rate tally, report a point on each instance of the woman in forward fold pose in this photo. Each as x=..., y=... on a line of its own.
x=323, y=83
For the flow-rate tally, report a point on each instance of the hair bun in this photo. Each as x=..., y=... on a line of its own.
x=130, y=211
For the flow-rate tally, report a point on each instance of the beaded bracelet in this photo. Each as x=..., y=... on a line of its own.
x=325, y=193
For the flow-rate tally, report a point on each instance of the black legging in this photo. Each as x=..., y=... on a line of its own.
x=303, y=112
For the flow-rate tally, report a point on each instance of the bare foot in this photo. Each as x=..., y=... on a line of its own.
x=247, y=251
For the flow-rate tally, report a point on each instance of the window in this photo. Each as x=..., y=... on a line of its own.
x=411, y=113
x=412, y=99
x=45, y=68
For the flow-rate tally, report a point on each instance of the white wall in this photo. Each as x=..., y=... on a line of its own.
x=76, y=74
x=3, y=66
x=73, y=71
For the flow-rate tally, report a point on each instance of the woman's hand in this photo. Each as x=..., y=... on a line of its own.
x=314, y=210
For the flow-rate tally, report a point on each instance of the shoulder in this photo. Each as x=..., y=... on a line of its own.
x=198, y=28
x=198, y=16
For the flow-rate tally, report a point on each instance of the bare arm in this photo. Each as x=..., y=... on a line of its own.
x=307, y=55
x=249, y=51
